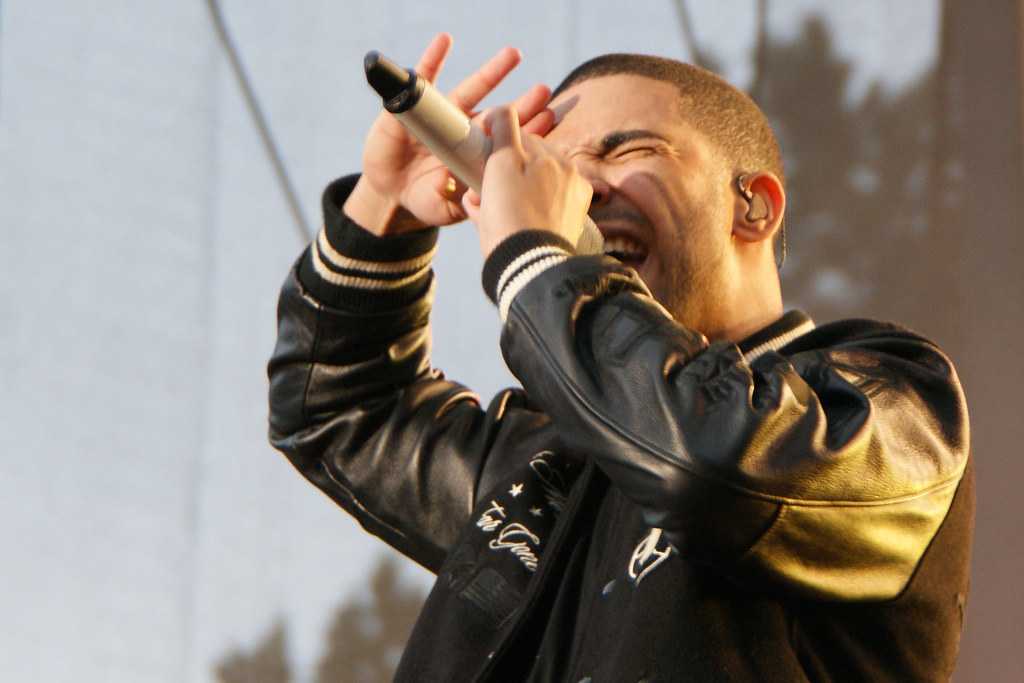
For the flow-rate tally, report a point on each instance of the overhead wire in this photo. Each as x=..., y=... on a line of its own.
x=260, y=120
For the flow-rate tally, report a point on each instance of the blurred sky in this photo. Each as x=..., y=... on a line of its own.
x=148, y=526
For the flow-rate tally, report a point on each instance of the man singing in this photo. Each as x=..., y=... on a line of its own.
x=692, y=484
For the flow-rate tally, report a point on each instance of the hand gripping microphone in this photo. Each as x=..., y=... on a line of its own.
x=444, y=129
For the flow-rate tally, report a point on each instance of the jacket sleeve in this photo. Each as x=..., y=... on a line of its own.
x=354, y=403
x=822, y=472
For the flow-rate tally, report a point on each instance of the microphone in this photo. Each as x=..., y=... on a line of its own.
x=445, y=129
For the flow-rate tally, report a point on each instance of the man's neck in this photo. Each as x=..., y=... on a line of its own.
x=744, y=326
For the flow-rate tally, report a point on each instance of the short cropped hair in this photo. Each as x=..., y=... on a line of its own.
x=733, y=123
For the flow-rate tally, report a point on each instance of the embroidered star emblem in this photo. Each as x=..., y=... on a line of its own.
x=536, y=512
x=516, y=490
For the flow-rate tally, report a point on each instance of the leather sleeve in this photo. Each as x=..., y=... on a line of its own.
x=355, y=404
x=822, y=471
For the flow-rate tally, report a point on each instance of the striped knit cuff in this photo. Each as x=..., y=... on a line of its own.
x=350, y=268
x=519, y=259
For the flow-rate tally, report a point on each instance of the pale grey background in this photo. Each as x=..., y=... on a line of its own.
x=147, y=525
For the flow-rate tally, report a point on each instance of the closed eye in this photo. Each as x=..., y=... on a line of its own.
x=634, y=152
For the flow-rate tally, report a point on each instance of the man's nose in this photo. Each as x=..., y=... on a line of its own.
x=602, y=189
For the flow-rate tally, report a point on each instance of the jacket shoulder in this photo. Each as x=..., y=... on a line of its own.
x=855, y=332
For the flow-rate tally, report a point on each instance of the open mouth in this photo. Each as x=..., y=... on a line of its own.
x=626, y=249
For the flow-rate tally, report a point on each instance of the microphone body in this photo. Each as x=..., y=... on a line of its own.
x=445, y=129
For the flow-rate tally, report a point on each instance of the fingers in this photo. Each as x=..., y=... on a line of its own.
x=469, y=92
x=532, y=103
x=504, y=125
x=534, y=116
x=433, y=57
x=540, y=124
x=535, y=146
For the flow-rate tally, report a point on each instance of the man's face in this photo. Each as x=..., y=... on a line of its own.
x=661, y=194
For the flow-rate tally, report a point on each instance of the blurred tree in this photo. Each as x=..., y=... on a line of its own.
x=874, y=215
x=267, y=663
x=363, y=644
x=873, y=211
x=366, y=639
x=804, y=93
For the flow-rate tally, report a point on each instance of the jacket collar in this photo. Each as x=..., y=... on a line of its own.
x=776, y=335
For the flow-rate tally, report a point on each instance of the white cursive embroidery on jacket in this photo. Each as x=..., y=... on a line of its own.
x=492, y=517
x=649, y=553
x=551, y=480
x=516, y=538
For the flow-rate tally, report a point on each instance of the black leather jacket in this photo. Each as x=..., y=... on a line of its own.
x=647, y=506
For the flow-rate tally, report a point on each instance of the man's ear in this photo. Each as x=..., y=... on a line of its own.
x=759, y=206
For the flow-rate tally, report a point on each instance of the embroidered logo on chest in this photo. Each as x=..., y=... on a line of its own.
x=519, y=517
x=493, y=517
x=518, y=540
x=648, y=554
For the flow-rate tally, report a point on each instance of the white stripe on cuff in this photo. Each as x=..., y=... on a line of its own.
x=342, y=280
x=523, y=258
x=339, y=260
x=524, y=277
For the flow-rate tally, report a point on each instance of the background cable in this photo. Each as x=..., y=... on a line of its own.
x=253, y=105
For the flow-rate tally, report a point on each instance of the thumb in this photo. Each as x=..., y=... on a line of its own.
x=471, y=204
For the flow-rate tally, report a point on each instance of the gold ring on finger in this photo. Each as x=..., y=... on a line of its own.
x=450, y=186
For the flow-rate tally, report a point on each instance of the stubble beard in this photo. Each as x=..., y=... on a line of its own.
x=688, y=289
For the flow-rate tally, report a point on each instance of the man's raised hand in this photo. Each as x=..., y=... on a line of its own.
x=527, y=184
x=403, y=186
